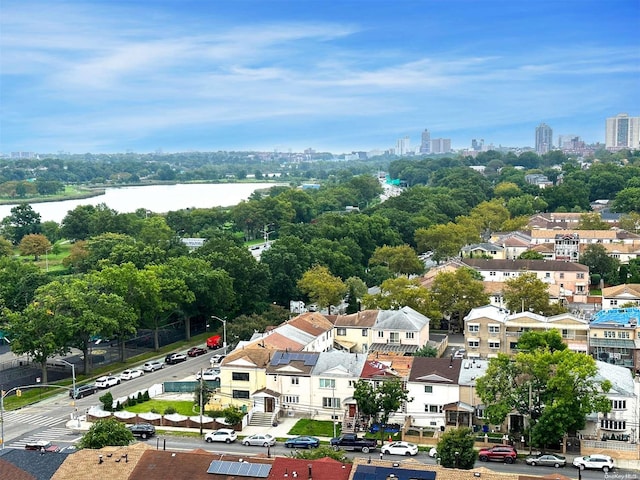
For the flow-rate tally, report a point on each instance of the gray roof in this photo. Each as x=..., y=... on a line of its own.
x=620, y=377
x=295, y=334
x=345, y=364
x=487, y=247
x=41, y=467
x=405, y=319
x=471, y=370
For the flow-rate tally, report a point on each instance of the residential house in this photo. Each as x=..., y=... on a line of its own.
x=621, y=423
x=623, y=252
x=490, y=330
x=585, y=236
x=353, y=332
x=288, y=382
x=619, y=295
x=483, y=250
x=400, y=331
x=471, y=370
x=614, y=337
x=433, y=386
x=557, y=220
x=572, y=277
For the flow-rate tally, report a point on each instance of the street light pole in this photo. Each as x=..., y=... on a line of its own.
x=73, y=381
x=333, y=402
x=201, y=385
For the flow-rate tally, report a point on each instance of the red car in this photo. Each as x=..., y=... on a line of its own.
x=504, y=453
x=196, y=351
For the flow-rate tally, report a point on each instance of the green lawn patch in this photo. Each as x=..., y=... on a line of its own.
x=183, y=407
x=315, y=428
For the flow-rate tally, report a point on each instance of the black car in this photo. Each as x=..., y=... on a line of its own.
x=82, y=391
x=174, y=358
x=142, y=430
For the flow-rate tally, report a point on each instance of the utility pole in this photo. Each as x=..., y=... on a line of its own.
x=201, y=386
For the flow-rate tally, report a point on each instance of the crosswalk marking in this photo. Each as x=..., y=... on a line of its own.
x=40, y=420
x=50, y=434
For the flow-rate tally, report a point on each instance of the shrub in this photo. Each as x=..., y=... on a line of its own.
x=118, y=406
x=131, y=401
x=169, y=410
x=140, y=399
x=145, y=396
x=107, y=401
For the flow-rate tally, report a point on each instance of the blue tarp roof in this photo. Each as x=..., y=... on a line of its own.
x=621, y=316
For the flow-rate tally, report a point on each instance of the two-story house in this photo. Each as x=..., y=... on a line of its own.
x=483, y=250
x=399, y=331
x=288, y=381
x=619, y=295
x=353, y=332
x=614, y=337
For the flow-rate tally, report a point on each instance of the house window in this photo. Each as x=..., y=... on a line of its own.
x=547, y=275
x=580, y=288
x=494, y=328
x=474, y=328
x=432, y=408
x=295, y=380
x=492, y=274
x=352, y=383
x=240, y=376
x=474, y=343
x=619, y=404
x=480, y=411
x=623, y=334
x=614, y=302
x=496, y=299
x=394, y=337
x=561, y=275
x=507, y=274
x=244, y=394
x=580, y=276
x=341, y=332
x=609, y=334
x=613, y=424
x=428, y=389
x=493, y=344
x=327, y=383
x=364, y=332
x=291, y=399
x=380, y=334
x=409, y=335
x=330, y=402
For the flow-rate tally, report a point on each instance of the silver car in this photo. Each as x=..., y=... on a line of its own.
x=153, y=365
x=260, y=440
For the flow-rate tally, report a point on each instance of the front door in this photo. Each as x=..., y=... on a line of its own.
x=352, y=410
x=268, y=404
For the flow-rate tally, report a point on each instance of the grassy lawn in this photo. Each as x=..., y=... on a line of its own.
x=183, y=407
x=315, y=428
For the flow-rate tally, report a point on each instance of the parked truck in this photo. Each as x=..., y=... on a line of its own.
x=214, y=342
x=350, y=441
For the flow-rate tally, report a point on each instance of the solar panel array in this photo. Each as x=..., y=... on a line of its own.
x=243, y=469
x=283, y=358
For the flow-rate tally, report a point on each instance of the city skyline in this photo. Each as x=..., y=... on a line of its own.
x=113, y=76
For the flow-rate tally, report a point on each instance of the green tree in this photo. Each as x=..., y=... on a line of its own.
x=22, y=221
x=18, y=282
x=207, y=393
x=592, y=221
x=445, y=240
x=390, y=395
x=399, y=292
x=107, y=401
x=322, y=287
x=531, y=255
x=550, y=340
x=34, y=244
x=6, y=249
x=426, y=351
x=233, y=415
x=365, y=397
x=456, y=293
x=627, y=200
x=323, y=451
x=556, y=390
x=630, y=222
x=527, y=293
x=38, y=332
x=401, y=260
x=456, y=449
x=597, y=258
x=106, y=432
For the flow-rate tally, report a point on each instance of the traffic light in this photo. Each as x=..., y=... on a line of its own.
x=18, y=393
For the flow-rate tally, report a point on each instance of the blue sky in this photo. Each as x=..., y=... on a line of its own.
x=113, y=75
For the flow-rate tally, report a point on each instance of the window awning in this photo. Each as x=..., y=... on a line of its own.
x=612, y=342
x=346, y=344
x=577, y=347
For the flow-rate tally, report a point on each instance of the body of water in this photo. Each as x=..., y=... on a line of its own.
x=155, y=198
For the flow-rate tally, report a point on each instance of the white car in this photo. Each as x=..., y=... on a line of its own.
x=459, y=354
x=260, y=440
x=221, y=435
x=131, y=374
x=216, y=359
x=400, y=448
x=595, y=462
x=433, y=452
x=153, y=365
x=107, y=381
x=209, y=375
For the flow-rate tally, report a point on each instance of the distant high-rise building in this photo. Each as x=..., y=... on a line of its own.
x=544, y=138
x=441, y=145
x=477, y=145
x=403, y=146
x=622, y=131
x=425, y=143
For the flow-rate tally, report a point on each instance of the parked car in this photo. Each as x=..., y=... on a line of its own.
x=400, y=448
x=302, y=442
x=459, y=353
x=152, y=366
x=82, y=391
x=504, y=453
x=217, y=359
x=174, y=358
x=221, y=435
x=196, y=351
x=594, y=462
x=107, y=381
x=42, y=445
x=142, y=430
x=547, y=460
x=433, y=452
x=260, y=440
x=209, y=375
x=351, y=441
x=131, y=374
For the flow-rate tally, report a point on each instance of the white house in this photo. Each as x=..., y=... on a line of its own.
x=400, y=331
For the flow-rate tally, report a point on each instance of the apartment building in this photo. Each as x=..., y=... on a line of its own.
x=614, y=337
x=400, y=331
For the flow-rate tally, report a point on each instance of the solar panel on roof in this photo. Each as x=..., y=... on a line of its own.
x=243, y=469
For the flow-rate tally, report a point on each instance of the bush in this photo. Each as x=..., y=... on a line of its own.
x=154, y=410
x=140, y=398
x=145, y=396
x=169, y=410
x=107, y=401
x=118, y=406
x=107, y=431
x=131, y=401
